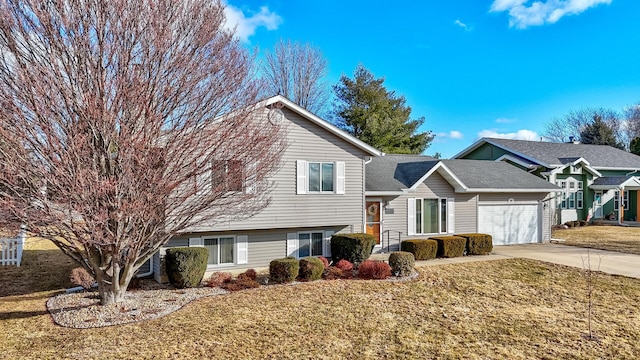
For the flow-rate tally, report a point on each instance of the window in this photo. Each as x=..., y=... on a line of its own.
x=221, y=250
x=431, y=216
x=320, y=177
x=572, y=195
x=310, y=244
x=625, y=200
x=227, y=175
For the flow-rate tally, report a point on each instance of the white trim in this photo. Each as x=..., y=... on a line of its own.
x=301, y=177
x=242, y=249
x=411, y=216
x=322, y=123
x=384, y=193
x=479, y=143
x=446, y=173
x=514, y=159
x=292, y=245
x=451, y=215
x=327, y=242
x=340, y=178
x=218, y=237
x=529, y=190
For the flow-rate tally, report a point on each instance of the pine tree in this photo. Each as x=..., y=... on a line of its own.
x=599, y=133
x=365, y=109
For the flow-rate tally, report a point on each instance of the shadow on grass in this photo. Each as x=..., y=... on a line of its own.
x=21, y=314
x=41, y=270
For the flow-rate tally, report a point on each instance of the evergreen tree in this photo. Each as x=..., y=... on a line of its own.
x=365, y=109
x=634, y=146
x=598, y=132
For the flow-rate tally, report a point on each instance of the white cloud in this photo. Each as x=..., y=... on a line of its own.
x=522, y=14
x=505, y=120
x=453, y=134
x=463, y=25
x=246, y=25
x=522, y=134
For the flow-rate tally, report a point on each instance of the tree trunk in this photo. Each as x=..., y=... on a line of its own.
x=112, y=284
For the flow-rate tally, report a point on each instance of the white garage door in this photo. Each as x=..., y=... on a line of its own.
x=510, y=224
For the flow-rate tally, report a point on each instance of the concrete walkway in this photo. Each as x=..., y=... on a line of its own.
x=611, y=262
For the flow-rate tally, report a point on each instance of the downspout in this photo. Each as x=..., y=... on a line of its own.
x=150, y=272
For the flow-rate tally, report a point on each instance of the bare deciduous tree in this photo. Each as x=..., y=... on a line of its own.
x=571, y=125
x=296, y=71
x=125, y=123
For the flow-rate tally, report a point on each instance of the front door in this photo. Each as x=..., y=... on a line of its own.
x=373, y=219
x=597, y=200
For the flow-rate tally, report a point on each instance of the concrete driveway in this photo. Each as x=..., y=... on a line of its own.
x=611, y=262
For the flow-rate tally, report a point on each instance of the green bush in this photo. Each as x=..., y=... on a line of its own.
x=311, y=268
x=355, y=248
x=478, y=244
x=450, y=246
x=186, y=266
x=283, y=270
x=401, y=263
x=422, y=249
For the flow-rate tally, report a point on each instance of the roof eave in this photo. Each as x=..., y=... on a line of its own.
x=494, y=190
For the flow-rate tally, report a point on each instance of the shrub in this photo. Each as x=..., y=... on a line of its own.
x=218, y=278
x=344, y=265
x=422, y=249
x=401, y=263
x=186, y=266
x=370, y=269
x=241, y=284
x=248, y=275
x=450, y=246
x=478, y=244
x=81, y=277
x=353, y=247
x=311, y=268
x=325, y=261
x=333, y=273
x=283, y=270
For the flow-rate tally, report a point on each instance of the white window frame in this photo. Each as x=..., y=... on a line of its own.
x=302, y=177
x=625, y=200
x=240, y=249
x=321, y=183
x=293, y=242
x=572, y=194
x=439, y=217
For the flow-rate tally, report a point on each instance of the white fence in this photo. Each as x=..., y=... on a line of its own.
x=11, y=249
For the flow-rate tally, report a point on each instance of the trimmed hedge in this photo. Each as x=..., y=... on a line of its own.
x=311, y=268
x=186, y=266
x=401, y=263
x=283, y=270
x=478, y=244
x=422, y=249
x=370, y=269
x=355, y=248
x=450, y=246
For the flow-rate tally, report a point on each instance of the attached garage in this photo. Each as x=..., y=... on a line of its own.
x=510, y=223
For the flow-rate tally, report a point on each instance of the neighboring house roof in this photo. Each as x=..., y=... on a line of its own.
x=553, y=155
x=403, y=173
x=615, y=182
x=321, y=122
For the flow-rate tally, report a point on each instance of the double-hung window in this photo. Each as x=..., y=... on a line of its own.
x=429, y=216
x=572, y=194
x=320, y=177
x=625, y=200
x=227, y=175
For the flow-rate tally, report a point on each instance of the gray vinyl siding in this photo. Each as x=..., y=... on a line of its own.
x=309, y=142
x=263, y=246
x=434, y=187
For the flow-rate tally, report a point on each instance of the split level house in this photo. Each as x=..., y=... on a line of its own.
x=596, y=181
x=329, y=182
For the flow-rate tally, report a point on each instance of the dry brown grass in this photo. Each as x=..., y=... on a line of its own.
x=613, y=238
x=511, y=309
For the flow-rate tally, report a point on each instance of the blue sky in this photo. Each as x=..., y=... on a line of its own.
x=471, y=68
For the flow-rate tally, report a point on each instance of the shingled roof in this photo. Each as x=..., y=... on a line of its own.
x=558, y=154
x=397, y=172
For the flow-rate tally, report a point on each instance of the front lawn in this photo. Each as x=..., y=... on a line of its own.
x=613, y=238
x=511, y=309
